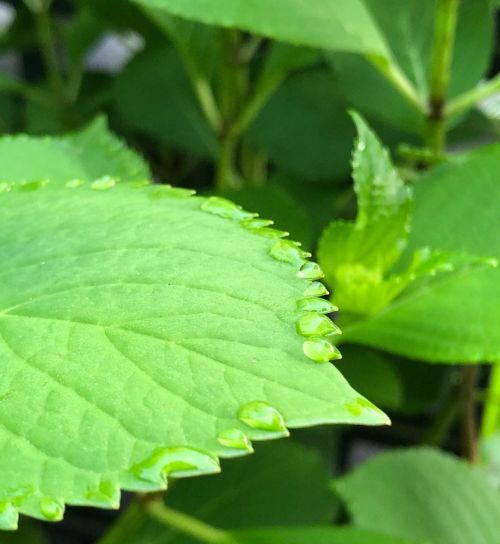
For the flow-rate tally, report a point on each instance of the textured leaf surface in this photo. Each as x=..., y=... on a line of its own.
x=144, y=334
x=318, y=535
x=255, y=491
x=86, y=155
x=330, y=24
x=453, y=317
x=423, y=494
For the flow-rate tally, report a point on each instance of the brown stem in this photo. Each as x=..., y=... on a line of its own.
x=468, y=423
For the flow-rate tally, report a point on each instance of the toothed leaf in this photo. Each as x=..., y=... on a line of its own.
x=85, y=155
x=141, y=332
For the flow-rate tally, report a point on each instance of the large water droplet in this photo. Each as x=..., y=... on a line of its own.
x=74, y=183
x=319, y=305
x=177, y=461
x=103, y=184
x=107, y=495
x=288, y=252
x=235, y=439
x=9, y=516
x=310, y=271
x=316, y=289
x=320, y=350
x=51, y=509
x=222, y=207
x=315, y=324
x=261, y=415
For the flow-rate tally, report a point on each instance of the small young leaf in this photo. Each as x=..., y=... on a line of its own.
x=138, y=326
x=423, y=494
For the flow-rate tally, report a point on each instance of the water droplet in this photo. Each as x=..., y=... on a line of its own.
x=161, y=191
x=74, y=183
x=51, y=509
x=177, y=461
x=320, y=350
x=288, y=252
x=320, y=305
x=263, y=416
x=256, y=223
x=316, y=289
x=103, y=184
x=107, y=494
x=32, y=185
x=353, y=408
x=5, y=187
x=222, y=207
x=9, y=516
x=139, y=183
x=235, y=439
x=310, y=271
x=315, y=324
x=271, y=233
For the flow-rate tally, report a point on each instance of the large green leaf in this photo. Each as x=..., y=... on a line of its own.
x=316, y=535
x=411, y=46
x=255, y=491
x=86, y=155
x=145, y=334
x=423, y=494
x=452, y=317
x=343, y=25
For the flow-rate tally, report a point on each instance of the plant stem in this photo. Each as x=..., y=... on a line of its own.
x=444, y=41
x=472, y=97
x=127, y=523
x=49, y=51
x=185, y=524
x=225, y=175
x=491, y=416
x=467, y=396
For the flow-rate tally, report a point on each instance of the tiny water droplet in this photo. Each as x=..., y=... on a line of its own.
x=51, y=509
x=261, y=415
x=320, y=350
x=288, y=252
x=9, y=516
x=103, y=184
x=310, y=271
x=256, y=223
x=5, y=187
x=177, y=461
x=162, y=191
x=320, y=305
x=222, y=207
x=235, y=439
x=32, y=185
x=74, y=183
x=273, y=234
x=316, y=324
x=107, y=494
x=316, y=289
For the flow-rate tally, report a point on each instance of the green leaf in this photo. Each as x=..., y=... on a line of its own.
x=168, y=109
x=318, y=535
x=453, y=316
x=255, y=491
x=86, y=155
x=310, y=110
x=144, y=334
x=344, y=25
x=423, y=494
x=411, y=45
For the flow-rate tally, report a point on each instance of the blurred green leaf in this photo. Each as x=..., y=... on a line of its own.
x=423, y=494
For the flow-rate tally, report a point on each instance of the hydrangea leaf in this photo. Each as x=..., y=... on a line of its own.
x=423, y=494
x=86, y=155
x=144, y=334
x=345, y=25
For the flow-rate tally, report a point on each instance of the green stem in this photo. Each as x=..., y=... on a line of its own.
x=467, y=399
x=49, y=51
x=226, y=177
x=491, y=416
x=399, y=81
x=185, y=524
x=472, y=97
x=444, y=42
x=127, y=523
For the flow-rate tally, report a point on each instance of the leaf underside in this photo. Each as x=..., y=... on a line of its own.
x=143, y=337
